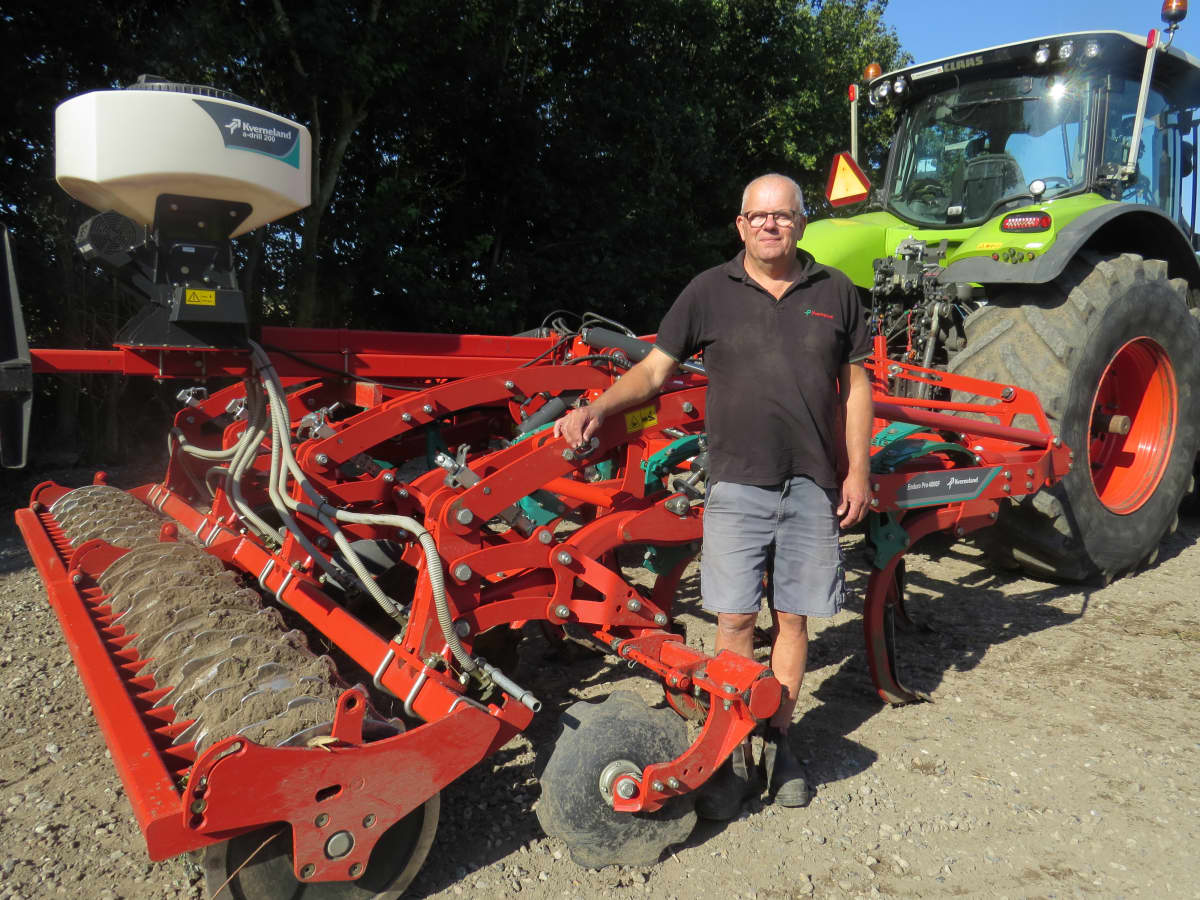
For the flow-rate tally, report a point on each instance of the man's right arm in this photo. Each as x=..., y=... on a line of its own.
x=640, y=383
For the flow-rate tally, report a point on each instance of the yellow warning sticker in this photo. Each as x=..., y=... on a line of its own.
x=200, y=298
x=988, y=245
x=640, y=419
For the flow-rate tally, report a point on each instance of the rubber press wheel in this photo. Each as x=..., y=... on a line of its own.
x=269, y=875
x=618, y=735
x=1112, y=352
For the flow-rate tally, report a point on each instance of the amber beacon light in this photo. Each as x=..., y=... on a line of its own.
x=1174, y=11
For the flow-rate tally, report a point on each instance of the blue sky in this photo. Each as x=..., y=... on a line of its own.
x=930, y=29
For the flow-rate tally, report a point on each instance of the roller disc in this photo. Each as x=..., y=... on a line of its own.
x=619, y=732
x=269, y=875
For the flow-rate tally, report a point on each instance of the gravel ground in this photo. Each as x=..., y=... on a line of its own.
x=1058, y=756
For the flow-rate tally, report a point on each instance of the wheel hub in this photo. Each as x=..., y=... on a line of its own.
x=1134, y=416
x=613, y=771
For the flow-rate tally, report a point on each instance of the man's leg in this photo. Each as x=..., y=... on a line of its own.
x=806, y=580
x=735, y=633
x=789, y=659
x=738, y=529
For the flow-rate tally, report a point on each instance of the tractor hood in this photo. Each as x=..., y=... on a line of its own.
x=852, y=245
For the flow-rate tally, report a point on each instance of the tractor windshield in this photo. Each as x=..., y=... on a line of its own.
x=967, y=151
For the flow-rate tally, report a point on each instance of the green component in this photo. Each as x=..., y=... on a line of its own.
x=894, y=432
x=543, y=507
x=852, y=245
x=886, y=538
x=901, y=451
x=989, y=239
x=529, y=434
x=659, y=560
x=661, y=463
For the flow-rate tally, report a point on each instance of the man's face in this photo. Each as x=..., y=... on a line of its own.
x=771, y=242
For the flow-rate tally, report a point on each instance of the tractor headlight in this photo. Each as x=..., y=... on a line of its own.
x=1066, y=50
x=899, y=86
x=1091, y=49
x=1042, y=55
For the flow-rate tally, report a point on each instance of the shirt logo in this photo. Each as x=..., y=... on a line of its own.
x=813, y=312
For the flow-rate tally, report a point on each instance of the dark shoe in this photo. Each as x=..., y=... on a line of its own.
x=722, y=796
x=784, y=775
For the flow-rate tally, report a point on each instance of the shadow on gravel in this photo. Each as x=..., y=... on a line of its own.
x=956, y=620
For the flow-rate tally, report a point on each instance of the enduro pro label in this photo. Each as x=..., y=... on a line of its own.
x=932, y=489
x=640, y=419
x=194, y=297
x=242, y=129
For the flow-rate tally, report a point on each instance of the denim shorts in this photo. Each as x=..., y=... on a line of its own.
x=789, y=531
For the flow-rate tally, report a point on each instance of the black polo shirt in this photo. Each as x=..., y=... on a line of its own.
x=772, y=367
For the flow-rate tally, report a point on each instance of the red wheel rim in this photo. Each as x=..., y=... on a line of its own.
x=1137, y=392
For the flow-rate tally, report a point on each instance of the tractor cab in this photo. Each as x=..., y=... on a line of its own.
x=1039, y=120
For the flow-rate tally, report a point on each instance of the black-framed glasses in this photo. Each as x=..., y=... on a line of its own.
x=784, y=218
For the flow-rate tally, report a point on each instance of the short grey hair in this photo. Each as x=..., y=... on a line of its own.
x=795, y=187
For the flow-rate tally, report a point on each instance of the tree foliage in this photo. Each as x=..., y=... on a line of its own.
x=477, y=163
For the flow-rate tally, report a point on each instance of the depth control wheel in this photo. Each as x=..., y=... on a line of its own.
x=598, y=743
x=268, y=873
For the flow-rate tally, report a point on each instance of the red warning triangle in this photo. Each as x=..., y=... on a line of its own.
x=847, y=183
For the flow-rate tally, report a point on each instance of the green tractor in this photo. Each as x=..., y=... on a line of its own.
x=1030, y=230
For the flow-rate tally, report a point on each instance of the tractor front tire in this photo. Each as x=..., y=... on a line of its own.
x=1113, y=353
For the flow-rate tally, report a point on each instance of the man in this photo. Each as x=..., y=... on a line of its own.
x=783, y=340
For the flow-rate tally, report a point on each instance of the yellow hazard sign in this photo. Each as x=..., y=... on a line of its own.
x=639, y=419
x=847, y=183
x=195, y=297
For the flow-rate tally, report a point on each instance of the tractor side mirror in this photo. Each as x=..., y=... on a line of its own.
x=1187, y=159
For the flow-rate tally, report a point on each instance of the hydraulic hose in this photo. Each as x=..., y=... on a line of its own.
x=635, y=348
x=282, y=459
x=257, y=429
x=322, y=510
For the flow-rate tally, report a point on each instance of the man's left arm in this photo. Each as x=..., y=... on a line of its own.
x=858, y=412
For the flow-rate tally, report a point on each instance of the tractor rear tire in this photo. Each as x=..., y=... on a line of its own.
x=1110, y=337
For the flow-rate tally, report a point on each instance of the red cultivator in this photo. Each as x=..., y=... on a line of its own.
x=397, y=502
x=483, y=541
